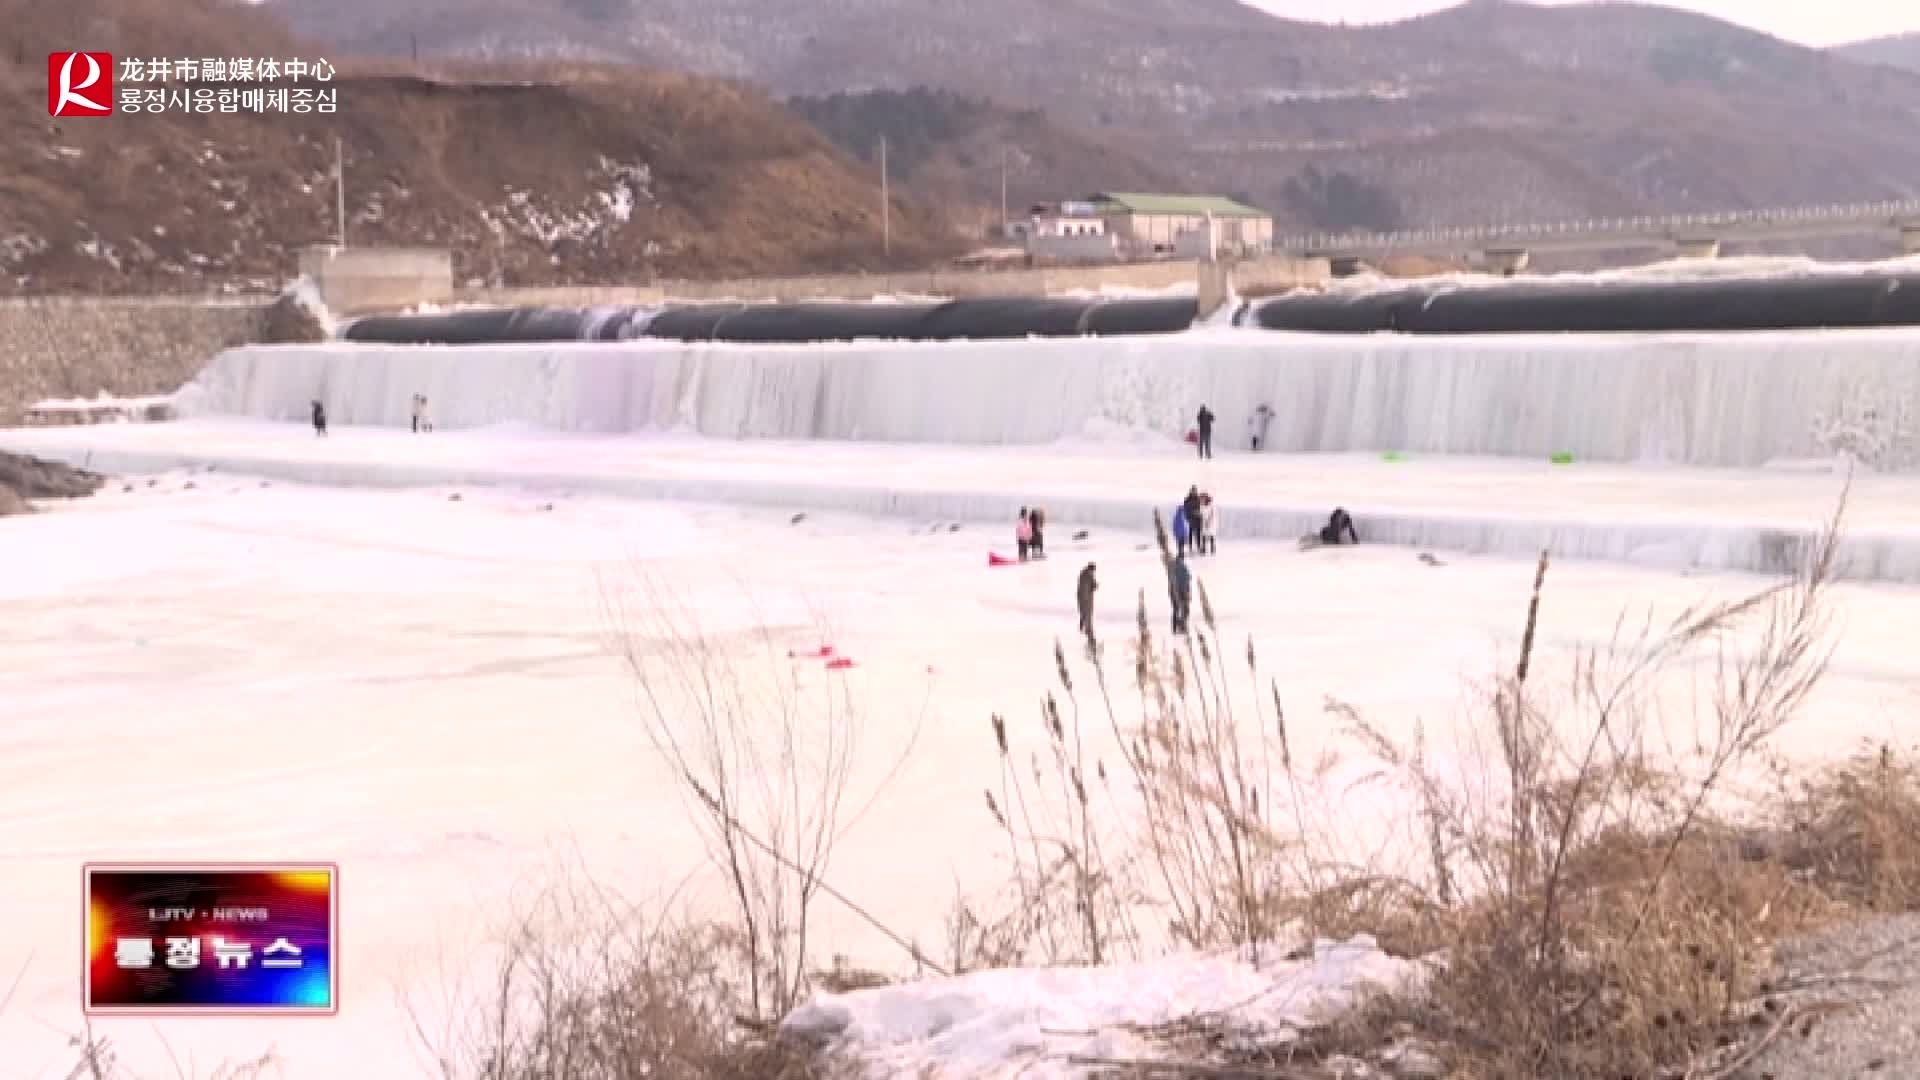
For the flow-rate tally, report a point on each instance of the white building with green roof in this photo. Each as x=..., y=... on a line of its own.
x=1177, y=224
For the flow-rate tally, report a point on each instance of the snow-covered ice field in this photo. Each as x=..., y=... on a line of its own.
x=1667, y=517
x=278, y=647
x=418, y=687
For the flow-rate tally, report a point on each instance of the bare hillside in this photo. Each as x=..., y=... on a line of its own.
x=956, y=151
x=534, y=175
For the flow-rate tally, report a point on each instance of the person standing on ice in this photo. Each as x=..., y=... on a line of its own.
x=1203, y=426
x=1023, y=533
x=319, y=418
x=1179, y=591
x=1083, y=599
x=1190, y=508
x=1257, y=424
x=420, y=420
x=1182, y=529
x=1209, y=524
x=1037, y=520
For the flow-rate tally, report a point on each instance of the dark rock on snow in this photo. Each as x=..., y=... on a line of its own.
x=36, y=478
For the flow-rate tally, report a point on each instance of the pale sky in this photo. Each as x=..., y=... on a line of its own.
x=1831, y=22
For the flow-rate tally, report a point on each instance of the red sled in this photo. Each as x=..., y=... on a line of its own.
x=997, y=559
x=839, y=663
x=1193, y=437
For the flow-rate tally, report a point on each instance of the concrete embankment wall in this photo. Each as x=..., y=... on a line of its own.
x=68, y=347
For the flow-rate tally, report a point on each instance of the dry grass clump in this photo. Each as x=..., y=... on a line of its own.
x=1598, y=905
x=96, y=1058
x=589, y=989
x=1603, y=930
x=766, y=758
x=1854, y=828
x=1204, y=832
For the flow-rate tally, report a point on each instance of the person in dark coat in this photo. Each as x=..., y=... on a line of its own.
x=1083, y=599
x=319, y=419
x=1038, y=519
x=1193, y=510
x=1203, y=425
x=1179, y=591
x=1339, y=528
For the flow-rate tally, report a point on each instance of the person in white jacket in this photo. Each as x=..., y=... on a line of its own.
x=1208, y=543
x=1257, y=423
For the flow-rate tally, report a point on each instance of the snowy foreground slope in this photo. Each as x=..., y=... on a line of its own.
x=1715, y=400
x=215, y=667
x=1051, y=1024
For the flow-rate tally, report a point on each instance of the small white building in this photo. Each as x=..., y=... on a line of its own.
x=1183, y=224
x=1065, y=219
x=1069, y=230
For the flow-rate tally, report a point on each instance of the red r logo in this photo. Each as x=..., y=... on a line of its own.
x=79, y=84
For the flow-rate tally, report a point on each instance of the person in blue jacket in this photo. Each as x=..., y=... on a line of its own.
x=1182, y=529
x=1179, y=591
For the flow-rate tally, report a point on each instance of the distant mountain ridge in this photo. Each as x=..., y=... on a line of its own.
x=1897, y=50
x=1492, y=111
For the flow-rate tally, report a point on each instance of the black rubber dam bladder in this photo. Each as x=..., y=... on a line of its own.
x=979, y=319
x=1813, y=302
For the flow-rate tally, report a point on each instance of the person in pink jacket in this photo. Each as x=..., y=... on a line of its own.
x=1023, y=533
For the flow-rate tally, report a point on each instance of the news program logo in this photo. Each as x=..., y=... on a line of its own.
x=222, y=939
x=79, y=84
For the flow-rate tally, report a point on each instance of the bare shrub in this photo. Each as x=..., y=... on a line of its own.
x=1854, y=828
x=1205, y=820
x=97, y=1059
x=1606, y=924
x=766, y=759
x=1602, y=909
x=1068, y=901
x=588, y=988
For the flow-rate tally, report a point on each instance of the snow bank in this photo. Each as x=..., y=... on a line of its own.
x=1130, y=292
x=1700, y=399
x=1672, y=270
x=305, y=293
x=1033, y=1022
x=103, y=400
x=1673, y=519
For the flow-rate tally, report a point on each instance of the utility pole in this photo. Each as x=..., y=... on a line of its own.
x=339, y=193
x=886, y=203
x=1005, y=222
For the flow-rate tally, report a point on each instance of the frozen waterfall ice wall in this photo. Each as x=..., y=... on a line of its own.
x=1720, y=399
